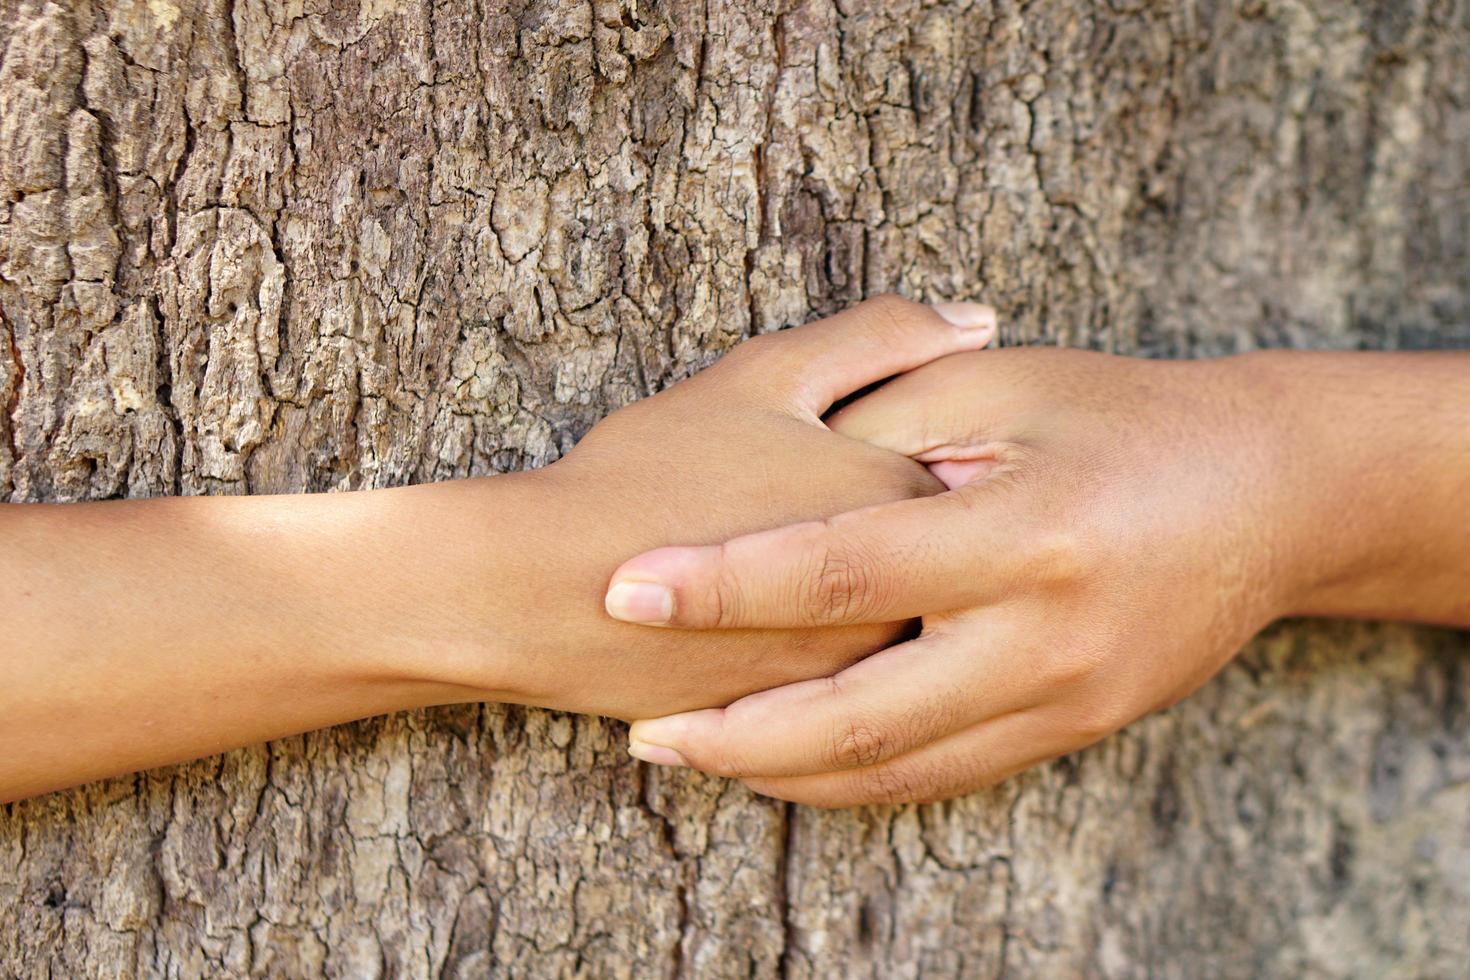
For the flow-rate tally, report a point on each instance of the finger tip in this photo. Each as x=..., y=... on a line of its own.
x=663, y=741
x=639, y=602
x=684, y=731
x=666, y=566
x=669, y=730
x=979, y=317
x=658, y=755
x=638, y=731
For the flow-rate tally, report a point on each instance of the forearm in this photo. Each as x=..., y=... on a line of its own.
x=1376, y=453
x=139, y=633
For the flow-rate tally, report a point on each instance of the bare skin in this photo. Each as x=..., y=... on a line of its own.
x=139, y=633
x=1115, y=531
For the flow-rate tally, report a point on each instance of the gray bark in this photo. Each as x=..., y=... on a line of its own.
x=255, y=247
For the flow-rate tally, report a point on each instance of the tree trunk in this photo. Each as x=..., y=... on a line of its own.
x=311, y=246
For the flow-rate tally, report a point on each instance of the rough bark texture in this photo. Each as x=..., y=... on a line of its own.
x=307, y=246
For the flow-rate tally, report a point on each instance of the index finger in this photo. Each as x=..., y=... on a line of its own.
x=875, y=565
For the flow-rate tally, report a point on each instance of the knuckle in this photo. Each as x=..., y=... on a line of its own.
x=1072, y=666
x=857, y=744
x=1063, y=546
x=843, y=585
x=1065, y=671
x=1059, y=557
x=724, y=605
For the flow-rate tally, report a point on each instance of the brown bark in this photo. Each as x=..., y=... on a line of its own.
x=309, y=246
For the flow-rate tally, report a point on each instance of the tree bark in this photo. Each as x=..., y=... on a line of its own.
x=261, y=247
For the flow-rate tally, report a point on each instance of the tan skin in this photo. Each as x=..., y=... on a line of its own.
x=1115, y=530
x=139, y=633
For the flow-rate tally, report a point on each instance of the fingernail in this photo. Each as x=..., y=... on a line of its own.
x=968, y=316
x=640, y=602
x=656, y=754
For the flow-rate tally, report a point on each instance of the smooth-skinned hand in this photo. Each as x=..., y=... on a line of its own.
x=738, y=447
x=267, y=615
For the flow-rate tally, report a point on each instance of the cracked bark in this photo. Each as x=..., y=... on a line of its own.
x=254, y=247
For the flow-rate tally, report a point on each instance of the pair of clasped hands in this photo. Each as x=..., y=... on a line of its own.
x=998, y=557
x=837, y=593
x=958, y=575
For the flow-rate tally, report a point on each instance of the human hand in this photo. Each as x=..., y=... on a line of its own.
x=1114, y=533
x=738, y=447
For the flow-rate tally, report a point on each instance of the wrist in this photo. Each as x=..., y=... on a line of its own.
x=1239, y=435
x=367, y=583
x=475, y=572
x=1304, y=484
x=1370, y=464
